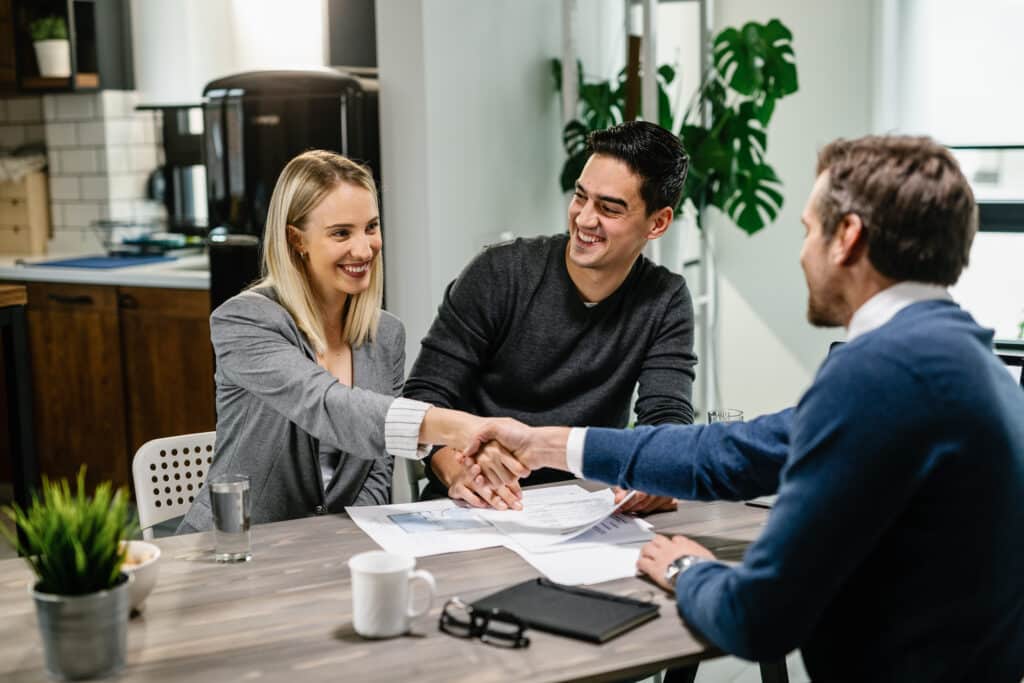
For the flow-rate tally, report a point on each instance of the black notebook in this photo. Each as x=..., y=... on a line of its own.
x=569, y=611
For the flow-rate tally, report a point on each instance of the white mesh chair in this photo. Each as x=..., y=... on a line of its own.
x=167, y=474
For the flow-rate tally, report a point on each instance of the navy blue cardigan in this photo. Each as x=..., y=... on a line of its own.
x=895, y=550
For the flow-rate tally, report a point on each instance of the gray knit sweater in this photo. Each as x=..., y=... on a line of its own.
x=512, y=337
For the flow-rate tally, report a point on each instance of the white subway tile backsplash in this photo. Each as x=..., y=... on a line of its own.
x=56, y=215
x=100, y=153
x=60, y=135
x=118, y=159
x=121, y=209
x=82, y=214
x=125, y=131
x=79, y=107
x=127, y=186
x=78, y=161
x=143, y=158
x=35, y=133
x=95, y=187
x=12, y=135
x=91, y=133
x=118, y=103
x=146, y=209
x=25, y=110
x=65, y=241
x=64, y=188
x=49, y=107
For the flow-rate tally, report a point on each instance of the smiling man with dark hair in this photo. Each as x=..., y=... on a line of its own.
x=561, y=329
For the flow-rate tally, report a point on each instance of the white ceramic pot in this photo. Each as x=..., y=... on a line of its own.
x=54, y=58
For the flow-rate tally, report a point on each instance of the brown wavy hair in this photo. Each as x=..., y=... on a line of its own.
x=916, y=206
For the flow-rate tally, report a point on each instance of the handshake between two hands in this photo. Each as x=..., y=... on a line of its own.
x=501, y=451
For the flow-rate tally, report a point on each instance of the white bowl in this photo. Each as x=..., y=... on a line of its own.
x=141, y=562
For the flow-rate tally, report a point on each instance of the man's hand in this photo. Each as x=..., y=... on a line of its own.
x=533, y=447
x=644, y=503
x=659, y=553
x=471, y=485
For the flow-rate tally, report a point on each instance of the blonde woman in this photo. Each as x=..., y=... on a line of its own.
x=308, y=365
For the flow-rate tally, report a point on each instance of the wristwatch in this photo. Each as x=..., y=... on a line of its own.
x=680, y=565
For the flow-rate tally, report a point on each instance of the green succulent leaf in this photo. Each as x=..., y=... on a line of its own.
x=73, y=540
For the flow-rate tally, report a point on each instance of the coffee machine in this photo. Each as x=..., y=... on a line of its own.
x=254, y=123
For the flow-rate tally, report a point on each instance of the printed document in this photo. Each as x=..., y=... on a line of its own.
x=550, y=516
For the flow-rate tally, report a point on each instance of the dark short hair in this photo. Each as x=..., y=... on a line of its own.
x=916, y=206
x=650, y=151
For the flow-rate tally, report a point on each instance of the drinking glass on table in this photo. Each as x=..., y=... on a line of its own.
x=725, y=415
x=229, y=500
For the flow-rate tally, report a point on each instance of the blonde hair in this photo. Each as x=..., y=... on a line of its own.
x=300, y=188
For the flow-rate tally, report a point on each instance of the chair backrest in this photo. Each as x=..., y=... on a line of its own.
x=168, y=474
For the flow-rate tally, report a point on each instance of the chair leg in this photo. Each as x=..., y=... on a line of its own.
x=774, y=672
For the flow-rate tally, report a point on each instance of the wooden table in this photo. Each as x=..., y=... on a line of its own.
x=17, y=376
x=286, y=616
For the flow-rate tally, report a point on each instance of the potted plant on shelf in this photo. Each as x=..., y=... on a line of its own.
x=53, y=51
x=72, y=542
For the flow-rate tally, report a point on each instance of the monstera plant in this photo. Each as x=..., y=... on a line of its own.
x=751, y=69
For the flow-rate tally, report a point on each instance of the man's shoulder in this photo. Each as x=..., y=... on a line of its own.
x=523, y=249
x=657, y=286
x=511, y=265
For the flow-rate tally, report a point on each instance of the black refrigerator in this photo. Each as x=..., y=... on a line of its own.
x=254, y=123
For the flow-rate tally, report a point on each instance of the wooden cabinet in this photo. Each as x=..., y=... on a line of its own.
x=113, y=367
x=168, y=362
x=78, y=382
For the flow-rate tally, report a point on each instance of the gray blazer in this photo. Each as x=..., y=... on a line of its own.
x=275, y=406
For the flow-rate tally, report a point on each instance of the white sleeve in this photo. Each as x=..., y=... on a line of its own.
x=574, y=450
x=402, y=429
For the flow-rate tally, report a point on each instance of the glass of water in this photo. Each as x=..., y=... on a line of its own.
x=229, y=499
x=725, y=415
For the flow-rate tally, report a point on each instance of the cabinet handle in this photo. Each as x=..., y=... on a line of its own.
x=74, y=300
x=127, y=301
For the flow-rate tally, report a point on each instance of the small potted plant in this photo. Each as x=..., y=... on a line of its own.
x=73, y=545
x=53, y=51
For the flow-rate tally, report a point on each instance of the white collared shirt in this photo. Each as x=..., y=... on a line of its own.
x=872, y=314
x=880, y=309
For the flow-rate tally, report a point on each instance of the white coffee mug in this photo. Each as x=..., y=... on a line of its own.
x=381, y=595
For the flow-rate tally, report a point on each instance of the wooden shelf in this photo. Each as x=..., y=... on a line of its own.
x=82, y=80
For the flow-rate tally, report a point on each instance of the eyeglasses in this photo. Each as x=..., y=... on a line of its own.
x=493, y=626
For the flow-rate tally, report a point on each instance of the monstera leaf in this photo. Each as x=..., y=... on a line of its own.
x=756, y=200
x=750, y=141
x=757, y=58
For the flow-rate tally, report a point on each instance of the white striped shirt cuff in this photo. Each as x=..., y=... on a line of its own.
x=574, y=450
x=402, y=429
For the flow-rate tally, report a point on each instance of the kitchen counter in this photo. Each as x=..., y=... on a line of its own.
x=185, y=272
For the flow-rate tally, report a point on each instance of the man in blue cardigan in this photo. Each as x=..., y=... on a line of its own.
x=895, y=550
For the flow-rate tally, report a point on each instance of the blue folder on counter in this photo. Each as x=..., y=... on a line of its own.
x=102, y=261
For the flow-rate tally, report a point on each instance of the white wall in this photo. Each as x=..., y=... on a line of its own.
x=470, y=139
x=959, y=70
x=181, y=45
x=768, y=351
